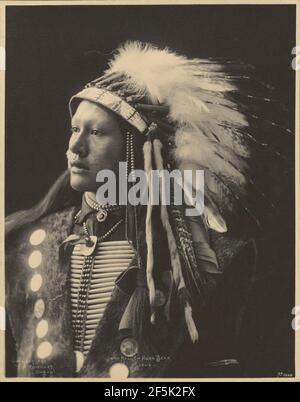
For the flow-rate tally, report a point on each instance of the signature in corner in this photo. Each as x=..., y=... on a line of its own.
x=285, y=375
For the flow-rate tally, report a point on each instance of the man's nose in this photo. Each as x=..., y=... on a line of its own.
x=78, y=144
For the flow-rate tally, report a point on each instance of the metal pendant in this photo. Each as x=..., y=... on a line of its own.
x=89, y=247
x=129, y=347
x=101, y=215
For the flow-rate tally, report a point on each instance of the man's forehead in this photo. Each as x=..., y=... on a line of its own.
x=89, y=111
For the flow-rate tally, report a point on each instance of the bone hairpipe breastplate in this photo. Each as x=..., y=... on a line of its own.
x=93, y=278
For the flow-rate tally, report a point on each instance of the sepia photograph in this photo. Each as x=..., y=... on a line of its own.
x=149, y=191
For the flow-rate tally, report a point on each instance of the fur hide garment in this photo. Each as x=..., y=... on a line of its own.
x=167, y=351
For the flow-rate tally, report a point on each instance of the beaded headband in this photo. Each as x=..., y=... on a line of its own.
x=114, y=103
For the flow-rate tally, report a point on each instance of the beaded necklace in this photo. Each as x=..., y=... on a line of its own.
x=103, y=210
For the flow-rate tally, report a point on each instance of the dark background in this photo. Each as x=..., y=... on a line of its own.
x=53, y=51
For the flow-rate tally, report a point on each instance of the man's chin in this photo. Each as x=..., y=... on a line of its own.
x=79, y=184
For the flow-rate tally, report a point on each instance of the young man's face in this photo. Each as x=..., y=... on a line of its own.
x=97, y=143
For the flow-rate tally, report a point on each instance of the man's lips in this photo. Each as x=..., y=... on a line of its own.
x=77, y=167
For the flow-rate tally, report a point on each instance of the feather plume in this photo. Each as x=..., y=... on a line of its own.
x=212, y=106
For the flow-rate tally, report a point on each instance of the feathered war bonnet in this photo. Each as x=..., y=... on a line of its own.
x=204, y=115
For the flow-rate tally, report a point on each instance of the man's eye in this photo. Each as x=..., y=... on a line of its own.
x=75, y=130
x=96, y=132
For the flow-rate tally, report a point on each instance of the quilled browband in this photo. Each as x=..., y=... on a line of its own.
x=113, y=102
